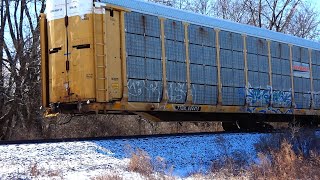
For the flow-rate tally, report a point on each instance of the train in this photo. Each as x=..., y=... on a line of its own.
x=166, y=64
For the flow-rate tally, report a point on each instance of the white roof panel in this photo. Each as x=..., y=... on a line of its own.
x=193, y=18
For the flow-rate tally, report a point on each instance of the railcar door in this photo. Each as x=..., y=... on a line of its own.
x=71, y=74
x=57, y=45
x=80, y=67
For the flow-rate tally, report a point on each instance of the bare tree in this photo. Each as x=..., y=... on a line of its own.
x=201, y=6
x=305, y=23
x=21, y=82
x=2, y=28
x=231, y=10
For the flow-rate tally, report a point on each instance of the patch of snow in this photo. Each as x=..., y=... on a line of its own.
x=71, y=160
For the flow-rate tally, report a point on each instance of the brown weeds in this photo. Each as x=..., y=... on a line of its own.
x=285, y=164
x=140, y=162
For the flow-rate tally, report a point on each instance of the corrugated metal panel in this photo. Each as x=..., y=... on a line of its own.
x=153, y=47
x=195, y=54
x=193, y=18
x=227, y=77
x=237, y=42
x=302, y=100
x=253, y=79
x=238, y=78
x=316, y=57
x=225, y=39
x=304, y=55
x=285, y=67
x=285, y=51
x=209, y=56
x=143, y=46
x=211, y=95
x=153, y=91
x=153, y=69
x=316, y=83
x=276, y=66
x=226, y=58
x=315, y=71
x=296, y=53
x=210, y=75
x=136, y=90
x=302, y=85
x=198, y=94
x=233, y=96
x=238, y=60
x=281, y=98
x=177, y=92
x=201, y=35
x=258, y=97
x=306, y=85
x=135, y=45
x=138, y=23
x=136, y=67
x=227, y=95
x=252, y=45
x=264, y=80
x=175, y=51
x=174, y=30
x=253, y=64
x=281, y=82
x=134, y=23
x=286, y=83
x=239, y=96
x=197, y=74
x=262, y=47
x=194, y=35
x=275, y=48
x=263, y=63
x=317, y=101
x=176, y=71
x=298, y=84
x=144, y=90
x=277, y=82
x=208, y=36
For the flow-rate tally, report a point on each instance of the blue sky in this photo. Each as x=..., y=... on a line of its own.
x=316, y=3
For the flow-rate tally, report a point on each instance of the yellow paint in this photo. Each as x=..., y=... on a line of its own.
x=311, y=79
x=164, y=64
x=245, y=63
x=270, y=69
x=44, y=60
x=291, y=75
x=218, y=67
x=123, y=59
x=81, y=73
x=57, y=61
x=186, y=42
x=113, y=57
x=100, y=55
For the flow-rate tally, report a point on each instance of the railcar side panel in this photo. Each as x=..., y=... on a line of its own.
x=137, y=61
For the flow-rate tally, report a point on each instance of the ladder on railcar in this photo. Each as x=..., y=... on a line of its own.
x=100, y=54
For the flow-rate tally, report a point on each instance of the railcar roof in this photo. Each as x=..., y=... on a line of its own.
x=193, y=18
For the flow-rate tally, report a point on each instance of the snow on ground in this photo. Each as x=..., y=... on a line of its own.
x=85, y=160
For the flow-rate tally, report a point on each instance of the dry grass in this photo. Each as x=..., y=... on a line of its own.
x=140, y=162
x=286, y=164
x=108, y=177
x=35, y=172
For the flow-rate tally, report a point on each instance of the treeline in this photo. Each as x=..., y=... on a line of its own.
x=20, y=81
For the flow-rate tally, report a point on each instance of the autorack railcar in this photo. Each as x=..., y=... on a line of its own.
x=136, y=57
